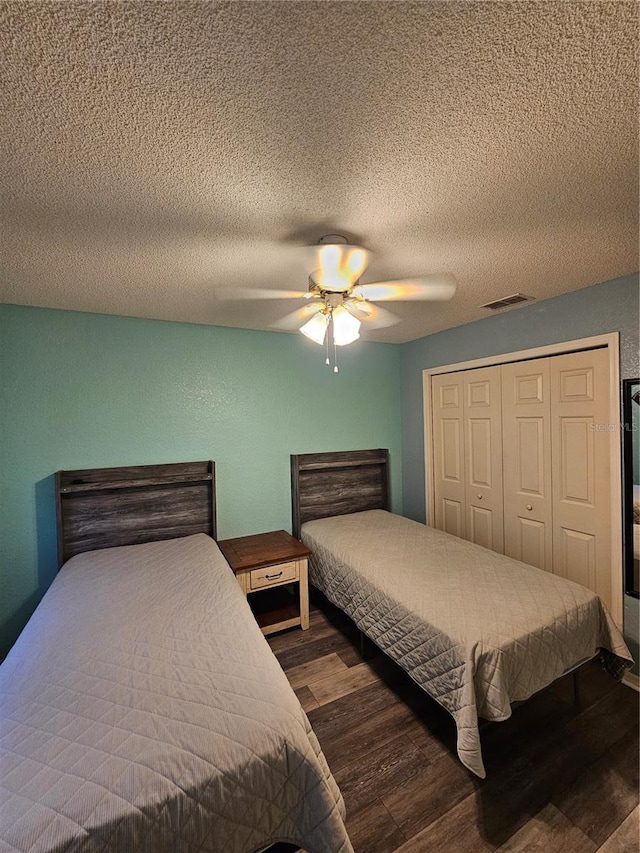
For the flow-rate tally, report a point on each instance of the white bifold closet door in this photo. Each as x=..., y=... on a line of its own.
x=528, y=497
x=447, y=411
x=483, y=458
x=521, y=462
x=467, y=424
x=580, y=460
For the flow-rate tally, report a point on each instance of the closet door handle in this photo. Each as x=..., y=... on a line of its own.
x=479, y=497
x=529, y=507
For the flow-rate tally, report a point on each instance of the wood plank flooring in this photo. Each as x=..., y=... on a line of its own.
x=558, y=780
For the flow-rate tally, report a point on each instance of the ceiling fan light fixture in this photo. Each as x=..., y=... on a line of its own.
x=339, y=266
x=343, y=301
x=316, y=328
x=346, y=327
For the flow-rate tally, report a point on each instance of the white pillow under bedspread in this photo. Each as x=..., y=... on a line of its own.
x=143, y=709
x=475, y=629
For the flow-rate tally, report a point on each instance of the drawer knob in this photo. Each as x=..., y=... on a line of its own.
x=479, y=497
x=273, y=577
x=529, y=507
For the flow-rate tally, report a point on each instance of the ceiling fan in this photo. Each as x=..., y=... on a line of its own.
x=338, y=302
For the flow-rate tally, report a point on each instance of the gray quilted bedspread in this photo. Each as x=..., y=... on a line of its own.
x=476, y=630
x=142, y=710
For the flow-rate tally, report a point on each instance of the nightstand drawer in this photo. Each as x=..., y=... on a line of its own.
x=272, y=575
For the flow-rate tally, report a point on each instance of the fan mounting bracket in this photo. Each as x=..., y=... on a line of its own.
x=318, y=290
x=333, y=239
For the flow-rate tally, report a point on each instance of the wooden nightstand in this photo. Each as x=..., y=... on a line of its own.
x=269, y=563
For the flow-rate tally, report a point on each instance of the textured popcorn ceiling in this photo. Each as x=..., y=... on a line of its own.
x=157, y=157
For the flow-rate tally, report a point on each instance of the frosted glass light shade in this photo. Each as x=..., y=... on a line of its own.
x=316, y=327
x=346, y=328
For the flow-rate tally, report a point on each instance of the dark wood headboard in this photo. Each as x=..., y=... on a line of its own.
x=326, y=484
x=105, y=507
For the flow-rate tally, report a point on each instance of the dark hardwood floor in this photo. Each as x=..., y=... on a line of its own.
x=558, y=778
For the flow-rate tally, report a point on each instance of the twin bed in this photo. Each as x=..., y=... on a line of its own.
x=476, y=630
x=142, y=708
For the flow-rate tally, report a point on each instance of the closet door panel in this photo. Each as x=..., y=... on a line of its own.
x=526, y=412
x=452, y=517
x=483, y=457
x=578, y=557
x=580, y=448
x=480, y=527
x=448, y=455
x=532, y=542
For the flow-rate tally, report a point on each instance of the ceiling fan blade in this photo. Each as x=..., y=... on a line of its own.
x=298, y=318
x=437, y=288
x=374, y=316
x=241, y=293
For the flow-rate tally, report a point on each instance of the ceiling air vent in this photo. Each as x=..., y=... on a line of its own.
x=507, y=301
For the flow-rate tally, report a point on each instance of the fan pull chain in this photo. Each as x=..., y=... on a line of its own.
x=326, y=349
x=335, y=358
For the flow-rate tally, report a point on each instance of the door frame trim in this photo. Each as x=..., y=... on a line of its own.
x=611, y=342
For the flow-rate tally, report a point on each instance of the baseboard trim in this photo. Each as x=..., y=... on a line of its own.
x=632, y=681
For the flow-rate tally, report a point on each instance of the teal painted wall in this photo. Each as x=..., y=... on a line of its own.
x=87, y=390
x=609, y=307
